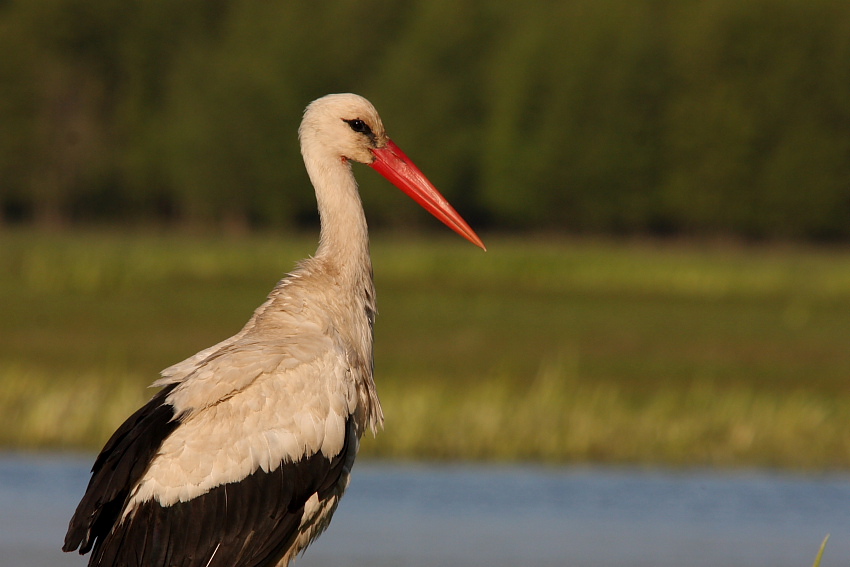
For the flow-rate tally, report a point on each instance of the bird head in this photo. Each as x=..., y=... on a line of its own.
x=345, y=124
x=349, y=127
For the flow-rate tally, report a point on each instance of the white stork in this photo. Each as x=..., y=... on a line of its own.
x=242, y=457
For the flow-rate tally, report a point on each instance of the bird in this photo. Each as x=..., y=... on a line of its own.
x=241, y=457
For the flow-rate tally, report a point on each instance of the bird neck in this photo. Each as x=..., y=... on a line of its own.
x=344, y=241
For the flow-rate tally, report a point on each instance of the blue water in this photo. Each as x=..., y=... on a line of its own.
x=499, y=516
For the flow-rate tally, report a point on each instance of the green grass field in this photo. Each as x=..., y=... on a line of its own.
x=563, y=351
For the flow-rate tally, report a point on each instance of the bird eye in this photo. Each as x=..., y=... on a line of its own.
x=359, y=126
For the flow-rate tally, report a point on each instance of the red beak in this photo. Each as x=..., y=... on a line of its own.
x=393, y=164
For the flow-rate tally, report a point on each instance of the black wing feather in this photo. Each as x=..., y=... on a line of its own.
x=250, y=523
x=120, y=465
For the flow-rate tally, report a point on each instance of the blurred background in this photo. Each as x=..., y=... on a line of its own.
x=612, y=117
x=663, y=186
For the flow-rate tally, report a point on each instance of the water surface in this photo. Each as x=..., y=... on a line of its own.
x=415, y=515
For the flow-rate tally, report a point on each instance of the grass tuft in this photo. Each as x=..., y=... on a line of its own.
x=560, y=417
x=819, y=556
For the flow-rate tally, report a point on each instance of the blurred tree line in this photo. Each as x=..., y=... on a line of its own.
x=593, y=116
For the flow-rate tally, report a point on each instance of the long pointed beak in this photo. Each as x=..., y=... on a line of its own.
x=393, y=164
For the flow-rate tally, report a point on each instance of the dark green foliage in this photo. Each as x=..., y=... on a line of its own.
x=590, y=116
